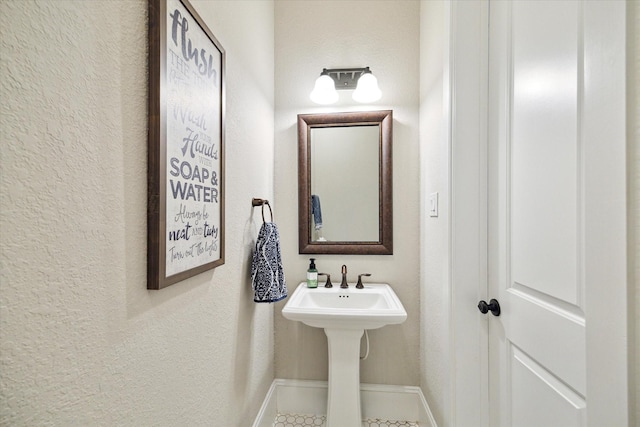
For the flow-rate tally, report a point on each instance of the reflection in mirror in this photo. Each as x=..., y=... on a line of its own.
x=344, y=183
x=345, y=203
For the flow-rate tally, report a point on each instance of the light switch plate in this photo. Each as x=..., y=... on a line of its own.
x=433, y=204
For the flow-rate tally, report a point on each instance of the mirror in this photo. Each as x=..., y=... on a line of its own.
x=345, y=183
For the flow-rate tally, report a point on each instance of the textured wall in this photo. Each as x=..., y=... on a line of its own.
x=633, y=133
x=82, y=342
x=311, y=35
x=435, y=160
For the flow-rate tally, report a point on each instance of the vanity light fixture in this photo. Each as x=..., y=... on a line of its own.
x=324, y=92
x=360, y=79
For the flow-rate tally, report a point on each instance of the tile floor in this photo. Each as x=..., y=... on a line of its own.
x=301, y=420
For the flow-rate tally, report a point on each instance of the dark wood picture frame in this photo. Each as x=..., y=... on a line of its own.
x=384, y=244
x=186, y=177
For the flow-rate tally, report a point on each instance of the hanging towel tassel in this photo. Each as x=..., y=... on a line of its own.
x=267, y=275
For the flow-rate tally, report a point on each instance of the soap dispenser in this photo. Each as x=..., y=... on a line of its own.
x=312, y=274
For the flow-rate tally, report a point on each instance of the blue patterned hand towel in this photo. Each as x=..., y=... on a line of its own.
x=267, y=276
x=316, y=211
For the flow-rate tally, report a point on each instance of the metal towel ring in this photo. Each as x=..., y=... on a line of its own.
x=262, y=202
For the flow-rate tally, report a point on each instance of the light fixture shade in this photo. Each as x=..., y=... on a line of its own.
x=324, y=92
x=367, y=90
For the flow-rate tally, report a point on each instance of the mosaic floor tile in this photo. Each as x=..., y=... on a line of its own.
x=306, y=420
x=376, y=422
x=299, y=420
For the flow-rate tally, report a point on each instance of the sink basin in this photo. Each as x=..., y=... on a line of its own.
x=344, y=314
x=370, y=308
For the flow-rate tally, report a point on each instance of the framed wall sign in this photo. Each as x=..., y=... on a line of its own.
x=186, y=145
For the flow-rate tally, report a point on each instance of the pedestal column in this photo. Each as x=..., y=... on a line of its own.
x=343, y=409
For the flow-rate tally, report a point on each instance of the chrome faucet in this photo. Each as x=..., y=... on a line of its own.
x=344, y=283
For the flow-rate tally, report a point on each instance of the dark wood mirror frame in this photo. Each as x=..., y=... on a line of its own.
x=384, y=245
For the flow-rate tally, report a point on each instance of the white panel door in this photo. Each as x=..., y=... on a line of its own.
x=539, y=182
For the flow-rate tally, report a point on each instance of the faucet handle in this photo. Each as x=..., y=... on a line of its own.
x=359, y=285
x=328, y=284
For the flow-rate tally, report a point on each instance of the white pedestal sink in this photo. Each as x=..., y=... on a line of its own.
x=344, y=314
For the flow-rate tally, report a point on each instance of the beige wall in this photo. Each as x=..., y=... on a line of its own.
x=82, y=341
x=633, y=134
x=434, y=171
x=384, y=35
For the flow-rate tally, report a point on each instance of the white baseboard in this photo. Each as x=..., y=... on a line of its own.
x=388, y=402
